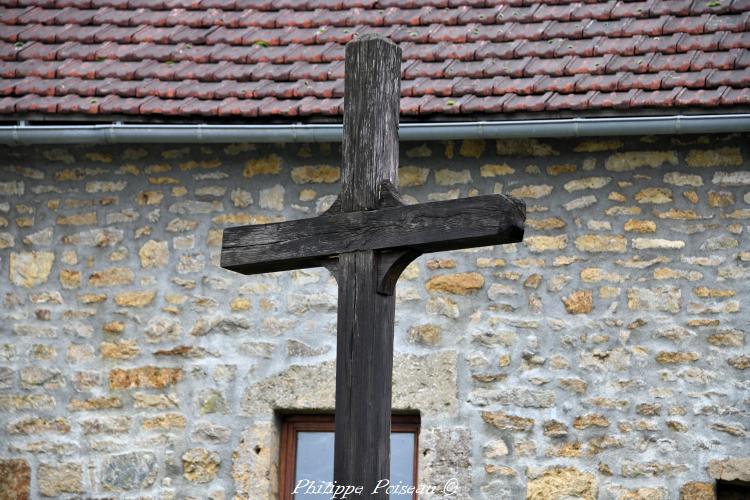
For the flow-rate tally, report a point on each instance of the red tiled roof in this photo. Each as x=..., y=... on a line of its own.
x=284, y=58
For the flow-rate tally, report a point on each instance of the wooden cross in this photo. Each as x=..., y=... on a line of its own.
x=366, y=239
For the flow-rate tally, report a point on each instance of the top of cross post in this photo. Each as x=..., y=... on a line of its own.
x=371, y=111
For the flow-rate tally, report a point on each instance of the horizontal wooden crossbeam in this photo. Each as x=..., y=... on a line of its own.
x=427, y=227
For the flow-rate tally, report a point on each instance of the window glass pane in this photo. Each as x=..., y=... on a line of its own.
x=315, y=462
x=402, y=462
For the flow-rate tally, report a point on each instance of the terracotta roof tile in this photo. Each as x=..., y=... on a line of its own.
x=702, y=7
x=606, y=28
x=602, y=83
x=743, y=59
x=520, y=86
x=600, y=11
x=113, y=86
x=315, y=106
x=640, y=81
x=587, y=65
x=612, y=100
x=477, y=105
x=472, y=69
x=736, y=97
x=569, y=101
x=458, y=51
x=77, y=86
x=651, y=27
x=585, y=48
x=478, y=15
x=634, y=64
x=193, y=106
x=655, y=98
x=504, y=50
x=691, y=25
x=443, y=105
x=528, y=31
x=31, y=103
x=454, y=34
x=512, y=67
x=526, y=103
x=671, y=7
x=707, y=42
x=8, y=105
x=700, y=97
x=111, y=33
x=631, y=9
x=311, y=71
x=161, y=71
x=735, y=41
x=411, y=17
x=561, y=84
x=43, y=69
x=539, y=66
x=540, y=48
x=734, y=23
x=326, y=89
x=10, y=33
x=445, y=17
x=489, y=32
x=270, y=106
x=718, y=60
x=41, y=51
x=430, y=69
x=79, y=51
x=284, y=58
x=616, y=46
x=8, y=86
x=560, y=12
x=733, y=78
x=8, y=51
x=35, y=85
x=78, y=104
x=38, y=15
x=572, y=29
x=516, y=13
x=412, y=105
x=259, y=54
x=671, y=62
x=158, y=88
x=473, y=86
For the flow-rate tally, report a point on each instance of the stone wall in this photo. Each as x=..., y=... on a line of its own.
x=605, y=357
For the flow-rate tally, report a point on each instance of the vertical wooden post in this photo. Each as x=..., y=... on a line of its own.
x=364, y=355
x=372, y=89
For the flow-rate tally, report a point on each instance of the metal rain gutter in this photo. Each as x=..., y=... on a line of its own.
x=118, y=133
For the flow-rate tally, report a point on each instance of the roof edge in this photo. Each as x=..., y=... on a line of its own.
x=119, y=133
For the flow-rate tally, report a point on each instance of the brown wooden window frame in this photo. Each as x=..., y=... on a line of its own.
x=293, y=424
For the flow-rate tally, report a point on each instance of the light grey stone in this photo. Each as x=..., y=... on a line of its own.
x=129, y=471
x=521, y=397
x=428, y=383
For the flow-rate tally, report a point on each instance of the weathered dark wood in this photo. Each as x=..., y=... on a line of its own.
x=427, y=227
x=372, y=89
x=364, y=350
x=366, y=239
x=364, y=366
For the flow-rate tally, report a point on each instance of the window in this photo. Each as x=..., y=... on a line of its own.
x=307, y=454
x=732, y=490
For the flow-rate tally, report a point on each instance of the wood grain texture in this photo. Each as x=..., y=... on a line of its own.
x=364, y=350
x=371, y=109
x=364, y=368
x=427, y=227
x=366, y=239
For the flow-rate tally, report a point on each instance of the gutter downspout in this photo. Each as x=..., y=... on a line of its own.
x=119, y=133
